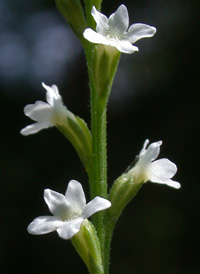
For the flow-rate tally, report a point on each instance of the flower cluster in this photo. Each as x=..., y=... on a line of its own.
x=114, y=32
x=69, y=211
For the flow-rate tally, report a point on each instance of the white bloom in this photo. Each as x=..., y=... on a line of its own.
x=45, y=114
x=113, y=31
x=160, y=171
x=69, y=211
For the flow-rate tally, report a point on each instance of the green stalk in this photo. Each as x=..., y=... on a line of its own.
x=99, y=180
x=102, y=65
x=99, y=144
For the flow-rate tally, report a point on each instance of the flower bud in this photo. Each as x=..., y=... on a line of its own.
x=72, y=11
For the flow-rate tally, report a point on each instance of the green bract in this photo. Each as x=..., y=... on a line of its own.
x=104, y=66
x=87, y=245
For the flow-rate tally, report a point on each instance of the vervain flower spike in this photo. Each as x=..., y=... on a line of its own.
x=160, y=171
x=114, y=31
x=68, y=211
x=46, y=114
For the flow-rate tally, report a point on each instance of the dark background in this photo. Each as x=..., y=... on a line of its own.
x=155, y=96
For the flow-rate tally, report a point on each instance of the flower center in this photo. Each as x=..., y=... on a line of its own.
x=68, y=213
x=113, y=35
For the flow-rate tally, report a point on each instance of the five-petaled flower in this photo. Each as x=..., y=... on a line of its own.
x=69, y=211
x=113, y=31
x=146, y=169
x=47, y=114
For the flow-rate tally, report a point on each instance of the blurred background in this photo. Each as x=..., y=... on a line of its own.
x=155, y=96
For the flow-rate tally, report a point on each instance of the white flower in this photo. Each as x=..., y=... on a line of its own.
x=69, y=211
x=160, y=171
x=113, y=32
x=46, y=114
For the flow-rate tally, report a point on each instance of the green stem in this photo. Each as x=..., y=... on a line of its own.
x=110, y=225
x=98, y=113
x=98, y=176
x=102, y=65
x=98, y=183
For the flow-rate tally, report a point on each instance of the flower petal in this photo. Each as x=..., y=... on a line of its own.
x=97, y=204
x=39, y=112
x=162, y=169
x=173, y=184
x=57, y=203
x=56, y=91
x=34, y=128
x=124, y=46
x=119, y=21
x=144, y=146
x=146, y=156
x=95, y=37
x=75, y=196
x=139, y=31
x=52, y=94
x=43, y=225
x=69, y=229
x=101, y=20
x=169, y=182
